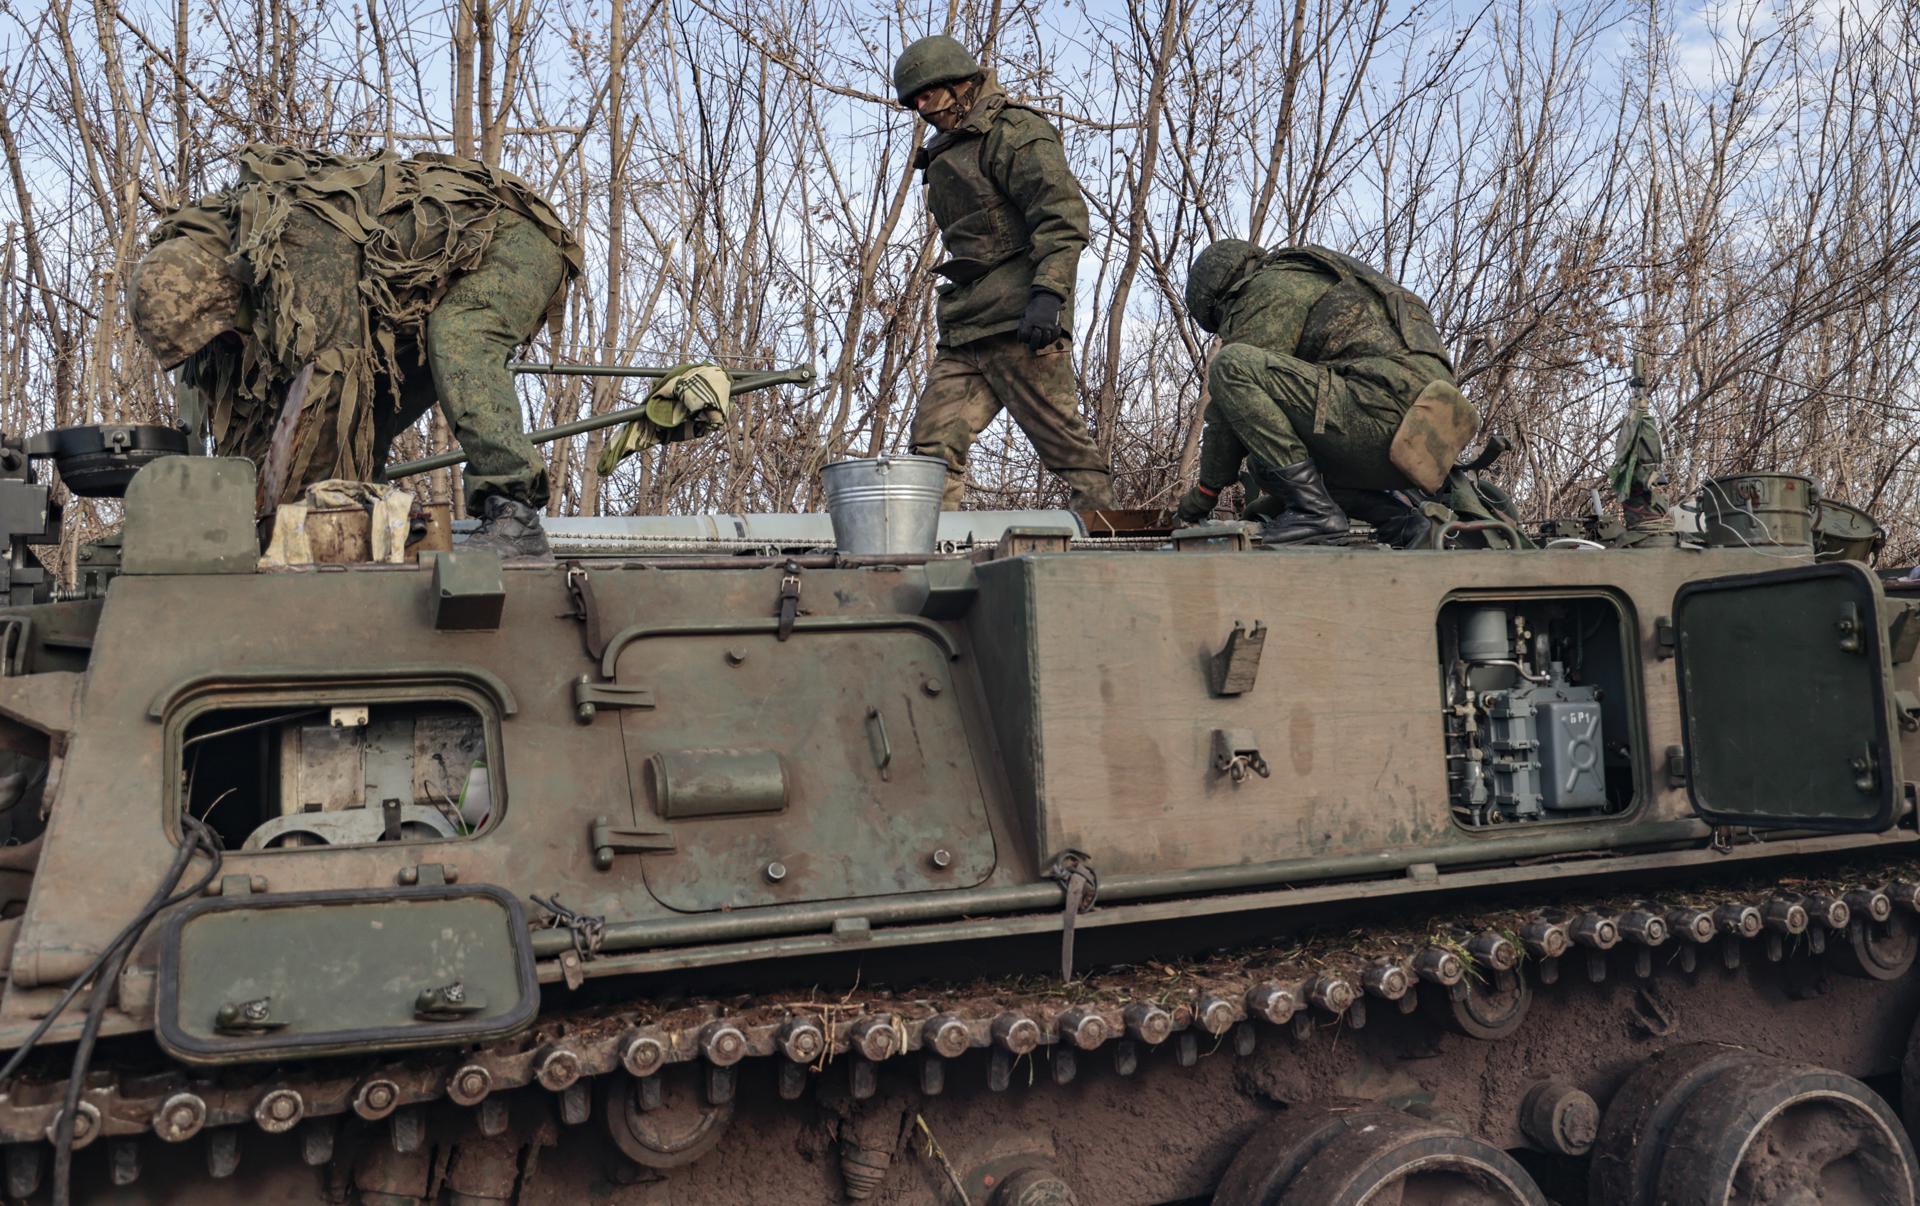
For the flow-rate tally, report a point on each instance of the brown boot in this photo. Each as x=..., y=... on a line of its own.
x=1092, y=489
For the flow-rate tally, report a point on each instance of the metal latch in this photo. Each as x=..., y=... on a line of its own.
x=1236, y=754
x=787, y=606
x=1866, y=768
x=447, y=1003
x=247, y=1017
x=1234, y=668
x=1849, y=627
x=589, y=697
x=1903, y=634
x=1906, y=705
x=1676, y=766
x=1665, y=639
x=607, y=840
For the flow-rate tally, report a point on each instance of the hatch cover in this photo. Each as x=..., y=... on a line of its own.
x=861, y=729
x=321, y=973
x=1783, y=692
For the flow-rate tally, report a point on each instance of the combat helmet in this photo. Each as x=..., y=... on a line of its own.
x=180, y=297
x=1213, y=273
x=932, y=60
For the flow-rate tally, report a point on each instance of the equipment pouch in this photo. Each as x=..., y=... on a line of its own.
x=1432, y=433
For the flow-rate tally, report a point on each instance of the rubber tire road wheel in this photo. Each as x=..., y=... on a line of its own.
x=1640, y=1115
x=1484, y=1009
x=1772, y=1133
x=1274, y=1154
x=681, y=1131
x=1402, y=1159
x=1882, y=950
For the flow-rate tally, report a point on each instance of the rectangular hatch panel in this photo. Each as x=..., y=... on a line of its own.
x=1784, y=697
x=321, y=973
x=845, y=752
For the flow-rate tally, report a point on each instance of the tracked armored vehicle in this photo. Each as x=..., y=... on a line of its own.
x=1075, y=861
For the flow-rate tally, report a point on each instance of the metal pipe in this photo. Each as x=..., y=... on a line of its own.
x=742, y=382
x=798, y=919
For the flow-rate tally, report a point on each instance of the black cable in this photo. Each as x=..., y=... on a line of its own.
x=104, y=973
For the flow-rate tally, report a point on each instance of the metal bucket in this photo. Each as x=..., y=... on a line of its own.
x=1845, y=533
x=1758, y=510
x=885, y=505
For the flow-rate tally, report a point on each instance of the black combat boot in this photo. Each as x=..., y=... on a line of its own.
x=1311, y=513
x=509, y=529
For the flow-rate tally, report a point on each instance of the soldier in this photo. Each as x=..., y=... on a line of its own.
x=1013, y=225
x=1321, y=359
x=381, y=284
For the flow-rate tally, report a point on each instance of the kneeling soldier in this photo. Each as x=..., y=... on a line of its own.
x=1321, y=360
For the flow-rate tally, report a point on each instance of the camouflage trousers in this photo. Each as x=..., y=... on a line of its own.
x=472, y=333
x=1285, y=410
x=968, y=387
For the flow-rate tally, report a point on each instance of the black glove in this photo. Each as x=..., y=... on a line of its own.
x=1195, y=505
x=1040, y=325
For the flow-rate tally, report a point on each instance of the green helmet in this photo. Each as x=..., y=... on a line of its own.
x=935, y=60
x=180, y=297
x=1215, y=270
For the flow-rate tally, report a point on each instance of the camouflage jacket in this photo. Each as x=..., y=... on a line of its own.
x=343, y=259
x=1326, y=308
x=1010, y=215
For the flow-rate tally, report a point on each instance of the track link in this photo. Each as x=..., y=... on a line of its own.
x=1221, y=999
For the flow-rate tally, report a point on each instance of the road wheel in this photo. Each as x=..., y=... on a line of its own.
x=1485, y=1006
x=1402, y=1161
x=1634, y=1129
x=668, y=1131
x=1770, y=1133
x=1878, y=950
x=1274, y=1154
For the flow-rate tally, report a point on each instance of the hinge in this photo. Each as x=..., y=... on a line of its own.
x=1849, y=628
x=1665, y=639
x=607, y=840
x=242, y=885
x=589, y=697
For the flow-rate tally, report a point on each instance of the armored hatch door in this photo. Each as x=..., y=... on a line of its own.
x=1784, y=691
x=835, y=763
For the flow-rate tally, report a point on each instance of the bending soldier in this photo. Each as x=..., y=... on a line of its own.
x=1321, y=359
x=398, y=282
x=1013, y=224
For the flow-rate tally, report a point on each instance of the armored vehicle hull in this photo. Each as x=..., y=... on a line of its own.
x=1047, y=868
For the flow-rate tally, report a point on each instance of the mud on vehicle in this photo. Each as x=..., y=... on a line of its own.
x=1075, y=861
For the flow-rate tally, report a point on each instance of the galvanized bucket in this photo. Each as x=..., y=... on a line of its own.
x=1758, y=510
x=885, y=505
x=1845, y=533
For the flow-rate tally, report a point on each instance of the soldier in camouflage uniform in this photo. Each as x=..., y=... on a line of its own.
x=1013, y=224
x=1320, y=358
x=399, y=281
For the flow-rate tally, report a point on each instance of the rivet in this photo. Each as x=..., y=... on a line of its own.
x=948, y=1035
x=643, y=1055
x=723, y=1044
x=180, y=1117
x=558, y=1069
x=931, y=686
x=469, y=1085
x=802, y=1041
x=376, y=1099
x=942, y=859
x=776, y=871
x=278, y=1111
x=736, y=656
